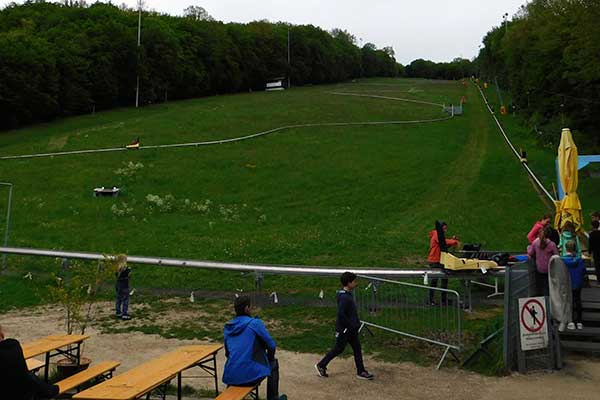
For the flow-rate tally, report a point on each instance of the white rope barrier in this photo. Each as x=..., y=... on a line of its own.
x=251, y=136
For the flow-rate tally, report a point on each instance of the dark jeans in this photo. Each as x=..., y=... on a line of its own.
x=272, y=381
x=541, y=284
x=434, y=283
x=341, y=339
x=577, y=313
x=122, y=303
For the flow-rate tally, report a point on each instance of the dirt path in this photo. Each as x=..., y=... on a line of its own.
x=578, y=380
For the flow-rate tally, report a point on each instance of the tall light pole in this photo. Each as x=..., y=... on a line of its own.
x=505, y=17
x=289, y=64
x=139, y=42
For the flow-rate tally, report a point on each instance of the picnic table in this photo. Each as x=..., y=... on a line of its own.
x=52, y=346
x=156, y=374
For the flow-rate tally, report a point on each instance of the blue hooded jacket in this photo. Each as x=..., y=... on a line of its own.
x=246, y=345
x=576, y=268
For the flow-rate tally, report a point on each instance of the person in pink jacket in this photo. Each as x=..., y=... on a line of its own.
x=538, y=226
x=541, y=250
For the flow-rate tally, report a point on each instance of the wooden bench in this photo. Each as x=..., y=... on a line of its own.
x=155, y=375
x=103, y=371
x=52, y=346
x=33, y=364
x=239, y=393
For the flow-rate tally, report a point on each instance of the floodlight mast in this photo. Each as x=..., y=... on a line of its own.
x=139, y=42
x=289, y=65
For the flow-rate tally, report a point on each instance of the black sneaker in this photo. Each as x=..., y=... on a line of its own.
x=365, y=375
x=321, y=371
x=125, y=317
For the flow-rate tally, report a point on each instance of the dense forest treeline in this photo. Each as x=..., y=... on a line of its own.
x=456, y=69
x=548, y=58
x=60, y=60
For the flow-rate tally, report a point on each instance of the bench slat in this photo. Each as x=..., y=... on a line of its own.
x=235, y=393
x=34, y=364
x=87, y=375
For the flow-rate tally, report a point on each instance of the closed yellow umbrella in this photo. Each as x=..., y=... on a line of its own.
x=569, y=208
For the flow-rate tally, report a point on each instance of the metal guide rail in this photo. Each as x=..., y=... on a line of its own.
x=259, y=268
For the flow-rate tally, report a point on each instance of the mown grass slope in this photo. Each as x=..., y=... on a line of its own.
x=351, y=196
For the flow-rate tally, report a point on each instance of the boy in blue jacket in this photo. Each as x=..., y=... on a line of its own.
x=250, y=352
x=576, y=268
x=347, y=325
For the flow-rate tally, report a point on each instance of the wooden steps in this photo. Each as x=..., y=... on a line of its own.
x=588, y=338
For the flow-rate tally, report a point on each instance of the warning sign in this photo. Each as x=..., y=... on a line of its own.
x=534, y=323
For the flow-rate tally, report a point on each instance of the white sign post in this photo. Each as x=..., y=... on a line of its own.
x=533, y=320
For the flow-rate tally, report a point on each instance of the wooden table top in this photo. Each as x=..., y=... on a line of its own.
x=34, y=364
x=49, y=343
x=145, y=377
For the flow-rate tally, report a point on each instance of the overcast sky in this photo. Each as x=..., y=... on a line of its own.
x=437, y=30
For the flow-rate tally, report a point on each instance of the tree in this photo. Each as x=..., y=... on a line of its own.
x=197, y=13
x=58, y=61
x=548, y=57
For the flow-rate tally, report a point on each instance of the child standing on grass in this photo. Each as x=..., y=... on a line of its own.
x=122, y=287
x=347, y=325
x=576, y=268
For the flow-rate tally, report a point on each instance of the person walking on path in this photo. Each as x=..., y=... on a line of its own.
x=541, y=250
x=433, y=259
x=347, y=325
x=539, y=225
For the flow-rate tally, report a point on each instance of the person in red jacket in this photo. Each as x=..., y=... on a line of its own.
x=539, y=225
x=434, y=259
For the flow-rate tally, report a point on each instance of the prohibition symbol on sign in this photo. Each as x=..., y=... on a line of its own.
x=533, y=316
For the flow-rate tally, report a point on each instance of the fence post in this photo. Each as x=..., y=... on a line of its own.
x=6, y=230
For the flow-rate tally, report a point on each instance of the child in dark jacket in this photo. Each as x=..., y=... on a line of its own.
x=576, y=268
x=347, y=325
x=122, y=288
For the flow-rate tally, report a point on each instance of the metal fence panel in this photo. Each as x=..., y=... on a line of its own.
x=404, y=308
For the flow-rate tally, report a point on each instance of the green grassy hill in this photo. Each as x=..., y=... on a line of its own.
x=358, y=196
x=354, y=196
